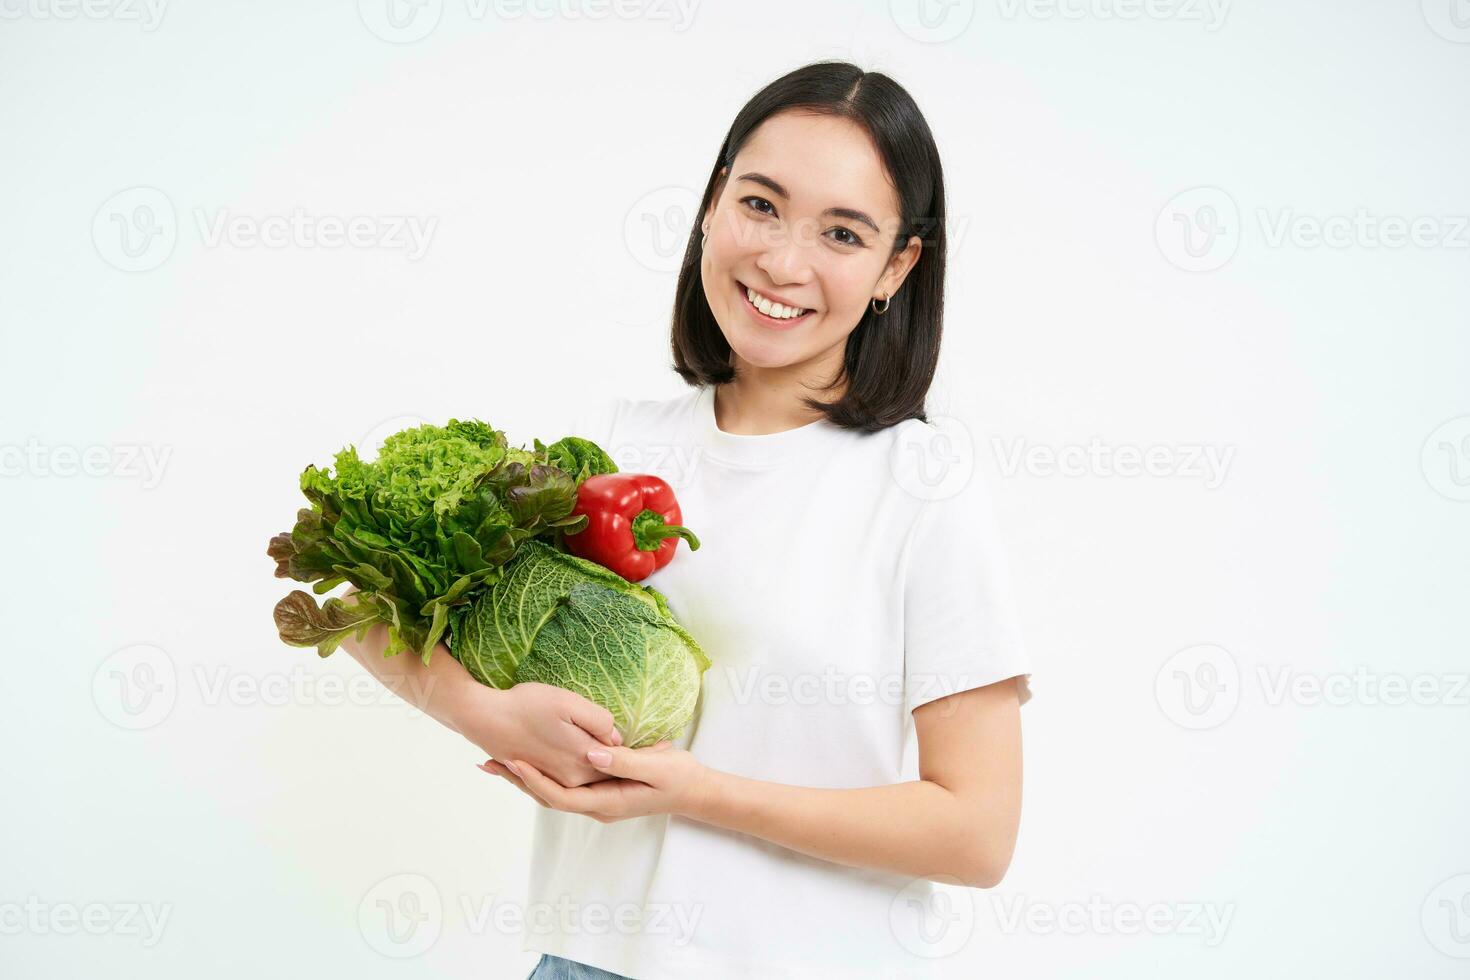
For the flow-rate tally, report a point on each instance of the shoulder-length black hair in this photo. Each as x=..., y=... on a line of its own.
x=890, y=359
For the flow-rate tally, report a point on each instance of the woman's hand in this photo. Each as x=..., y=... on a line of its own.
x=551, y=727
x=655, y=779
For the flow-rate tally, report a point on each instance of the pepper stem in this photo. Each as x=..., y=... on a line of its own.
x=650, y=529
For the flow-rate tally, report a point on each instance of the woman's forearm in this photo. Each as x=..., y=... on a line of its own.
x=917, y=828
x=438, y=688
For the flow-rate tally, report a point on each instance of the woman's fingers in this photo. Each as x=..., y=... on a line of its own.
x=595, y=720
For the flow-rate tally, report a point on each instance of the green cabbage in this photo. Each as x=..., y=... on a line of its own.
x=554, y=618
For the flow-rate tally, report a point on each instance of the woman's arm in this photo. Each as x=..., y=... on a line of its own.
x=959, y=819
x=528, y=721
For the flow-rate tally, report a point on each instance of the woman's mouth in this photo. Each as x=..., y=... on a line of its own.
x=769, y=314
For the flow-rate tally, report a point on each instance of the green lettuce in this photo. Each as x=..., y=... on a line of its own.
x=423, y=528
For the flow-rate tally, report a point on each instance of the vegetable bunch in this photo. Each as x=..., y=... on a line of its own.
x=452, y=534
x=424, y=527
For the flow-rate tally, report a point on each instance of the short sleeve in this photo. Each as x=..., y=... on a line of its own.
x=961, y=627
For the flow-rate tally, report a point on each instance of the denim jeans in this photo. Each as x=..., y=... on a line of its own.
x=555, y=968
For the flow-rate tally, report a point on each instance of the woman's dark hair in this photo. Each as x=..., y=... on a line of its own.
x=890, y=359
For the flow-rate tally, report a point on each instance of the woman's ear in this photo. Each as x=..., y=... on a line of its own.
x=900, y=266
x=714, y=199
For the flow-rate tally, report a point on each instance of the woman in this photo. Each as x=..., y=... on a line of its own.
x=840, y=590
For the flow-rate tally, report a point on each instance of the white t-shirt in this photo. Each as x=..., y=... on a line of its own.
x=842, y=580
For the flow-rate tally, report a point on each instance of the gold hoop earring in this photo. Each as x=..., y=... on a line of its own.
x=874, y=304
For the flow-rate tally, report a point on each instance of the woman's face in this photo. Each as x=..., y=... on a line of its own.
x=804, y=216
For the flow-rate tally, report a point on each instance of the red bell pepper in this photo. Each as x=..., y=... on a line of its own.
x=632, y=524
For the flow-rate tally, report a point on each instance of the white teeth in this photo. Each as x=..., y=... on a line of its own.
x=772, y=309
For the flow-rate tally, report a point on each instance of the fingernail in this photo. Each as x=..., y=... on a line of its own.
x=485, y=766
x=599, y=758
x=617, y=737
x=512, y=767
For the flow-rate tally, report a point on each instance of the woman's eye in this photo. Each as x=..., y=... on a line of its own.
x=751, y=203
x=851, y=239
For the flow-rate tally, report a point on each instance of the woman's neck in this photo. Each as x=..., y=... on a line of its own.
x=763, y=401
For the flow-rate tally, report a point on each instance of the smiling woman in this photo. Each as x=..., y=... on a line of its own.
x=849, y=590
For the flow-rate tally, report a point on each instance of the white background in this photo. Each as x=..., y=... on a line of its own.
x=556, y=153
